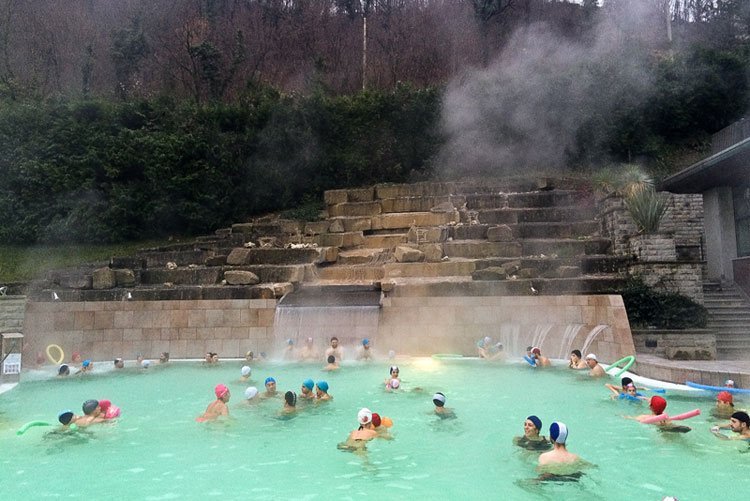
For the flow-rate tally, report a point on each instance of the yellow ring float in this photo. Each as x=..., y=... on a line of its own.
x=59, y=351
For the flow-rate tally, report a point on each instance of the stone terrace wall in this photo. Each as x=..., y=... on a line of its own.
x=12, y=313
x=409, y=325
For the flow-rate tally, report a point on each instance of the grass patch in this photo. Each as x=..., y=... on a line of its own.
x=20, y=263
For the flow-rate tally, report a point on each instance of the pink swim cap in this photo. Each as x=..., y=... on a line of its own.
x=221, y=390
x=394, y=383
x=104, y=404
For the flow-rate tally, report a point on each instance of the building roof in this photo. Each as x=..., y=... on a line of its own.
x=729, y=167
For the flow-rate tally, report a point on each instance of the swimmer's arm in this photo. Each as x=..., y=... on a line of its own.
x=718, y=434
x=615, y=391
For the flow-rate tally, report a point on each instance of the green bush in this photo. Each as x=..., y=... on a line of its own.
x=647, y=307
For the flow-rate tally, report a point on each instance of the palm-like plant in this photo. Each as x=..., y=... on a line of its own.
x=647, y=208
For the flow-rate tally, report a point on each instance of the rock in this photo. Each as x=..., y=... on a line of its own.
x=527, y=273
x=124, y=278
x=500, y=233
x=433, y=253
x=443, y=207
x=337, y=226
x=103, y=278
x=268, y=242
x=171, y=265
x=215, y=261
x=511, y=267
x=238, y=256
x=239, y=277
x=408, y=255
x=316, y=227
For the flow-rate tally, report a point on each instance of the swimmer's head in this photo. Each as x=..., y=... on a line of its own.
x=270, y=383
x=729, y=383
x=577, y=353
x=290, y=398
x=725, y=397
x=164, y=357
x=290, y=341
x=89, y=406
x=119, y=363
x=86, y=363
x=536, y=351
x=657, y=404
x=591, y=360
x=364, y=416
x=394, y=370
x=376, y=421
x=334, y=342
x=65, y=417
x=535, y=421
x=249, y=355
x=145, y=364
x=626, y=381
x=365, y=342
x=486, y=341
x=322, y=386
x=250, y=392
x=528, y=349
x=245, y=371
x=742, y=417
x=438, y=399
x=394, y=383
x=331, y=359
x=630, y=389
x=558, y=432
x=221, y=391
x=391, y=354
x=64, y=370
x=308, y=383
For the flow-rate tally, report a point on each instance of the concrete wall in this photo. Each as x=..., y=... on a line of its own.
x=721, y=242
x=408, y=325
x=12, y=313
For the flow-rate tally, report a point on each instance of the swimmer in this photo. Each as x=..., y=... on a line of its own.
x=92, y=413
x=119, y=363
x=724, y=405
x=308, y=352
x=576, y=361
x=632, y=393
x=66, y=419
x=63, y=371
x=596, y=369
x=332, y=364
x=164, y=357
x=558, y=434
x=616, y=392
x=86, y=366
x=541, y=361
x=270, y=388
x=380, y=428
x=290, y=403
x=289, y=350
x=219, y=406
x=358, y=439
x=392, y=384
x=250, y=393
x=393, y=373
x=739, y=423
x=335, y=349
x=438, y=399
x=245, y=373
x=108, y=410
x=306, y=390
x=76, y=358
x=321, y=391
x=729, y=383
x=488, y=350
x=531, y=439
x=145, y=364
x=207, y=358
x=658, y=405
x=364, y=352
x=214, y=358
x=249, y=356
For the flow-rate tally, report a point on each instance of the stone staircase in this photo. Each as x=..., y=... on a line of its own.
x=516, y=236
x=729, y=318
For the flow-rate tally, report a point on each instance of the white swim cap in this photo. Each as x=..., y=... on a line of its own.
x=245, y=371
x=591, y=356
x=364, y=416
x=145, y=364
x=250, y=392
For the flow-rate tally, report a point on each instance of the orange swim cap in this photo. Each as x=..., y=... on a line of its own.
x=386, y=421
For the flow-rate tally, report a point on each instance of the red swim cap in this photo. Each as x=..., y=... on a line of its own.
x=658, y=404
x=725, y=396
x=376, y=419
x=104, y=404
x=536, y=351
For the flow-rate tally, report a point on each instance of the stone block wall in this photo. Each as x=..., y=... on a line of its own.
x=684, y=278
x=12, y=313
x=693, y=344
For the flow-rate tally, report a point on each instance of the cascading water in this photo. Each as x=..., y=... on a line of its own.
x=540, y=334
x=592, y=335
x=571, y=331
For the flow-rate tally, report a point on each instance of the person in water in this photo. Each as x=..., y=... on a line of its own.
x=393, y=373
x=92, y=413
x=270, y=392
x=332, y=364
x=245, y=373
x=250, y=393
x=658, y=405
x=380, y=426
x=596, y=370
x=86, y=367
x=306, y=390
x=739, y=423
x=488, y=350
x=724, y=405
x=249, y=357
x=289, y=353
x=290, y=403
x=541, y=361
x=558, y=434
x=63, y=370
x=308, y=352
x=219, y=406
x=335, y=349
x=531, y=439
x=164, y=357
x=365, y=351
x=576, y=361
x=119, y=363
x=438, y=399
x=358, y=438
x=66, y=419
x=321, y=391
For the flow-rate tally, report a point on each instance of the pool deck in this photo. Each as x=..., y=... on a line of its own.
x=7, y=387
x=708, y=372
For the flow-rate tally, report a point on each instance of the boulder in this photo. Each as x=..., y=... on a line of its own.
x=103, y=278
x=500, y=233
x=124, y=278
x=433, y=253
x=238, y=256
x=337, y=226
x=408, y=255
x=239, y=277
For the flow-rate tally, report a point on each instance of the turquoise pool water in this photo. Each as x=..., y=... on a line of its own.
x=157, y=451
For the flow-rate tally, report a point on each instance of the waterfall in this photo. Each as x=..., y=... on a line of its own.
x=540, y=334
x=571, y=331
x=592, y=335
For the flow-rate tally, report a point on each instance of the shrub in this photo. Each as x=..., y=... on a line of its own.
x=647, y=307
x=647, y=208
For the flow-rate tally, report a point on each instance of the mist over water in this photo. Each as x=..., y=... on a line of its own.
x=545, y=97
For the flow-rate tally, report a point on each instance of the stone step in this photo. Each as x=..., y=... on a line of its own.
x=593, y=264
x=420, y=204
x=345, y=225
x=442, y=269
x=554, y=198
x=739, y=336
x=385, y=241
x=733, y=354
x=244, y=256
x=405, y=220
x=363, y=256
x=477, y=249
x=460, y=286
x=158, y=258
x=555, y=230
x=565, y=247
x=354, y=209
x=214, y=275
x=350, y=273
x=540, y=215
x=341, y=240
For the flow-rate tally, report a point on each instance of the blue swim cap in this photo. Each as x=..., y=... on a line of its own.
x=365, y=341
x=86, y=362
x=290, y=341
x=269, y=380
x=537, y=422
x=558, y=432
x=323, y=386
x=308, y=383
